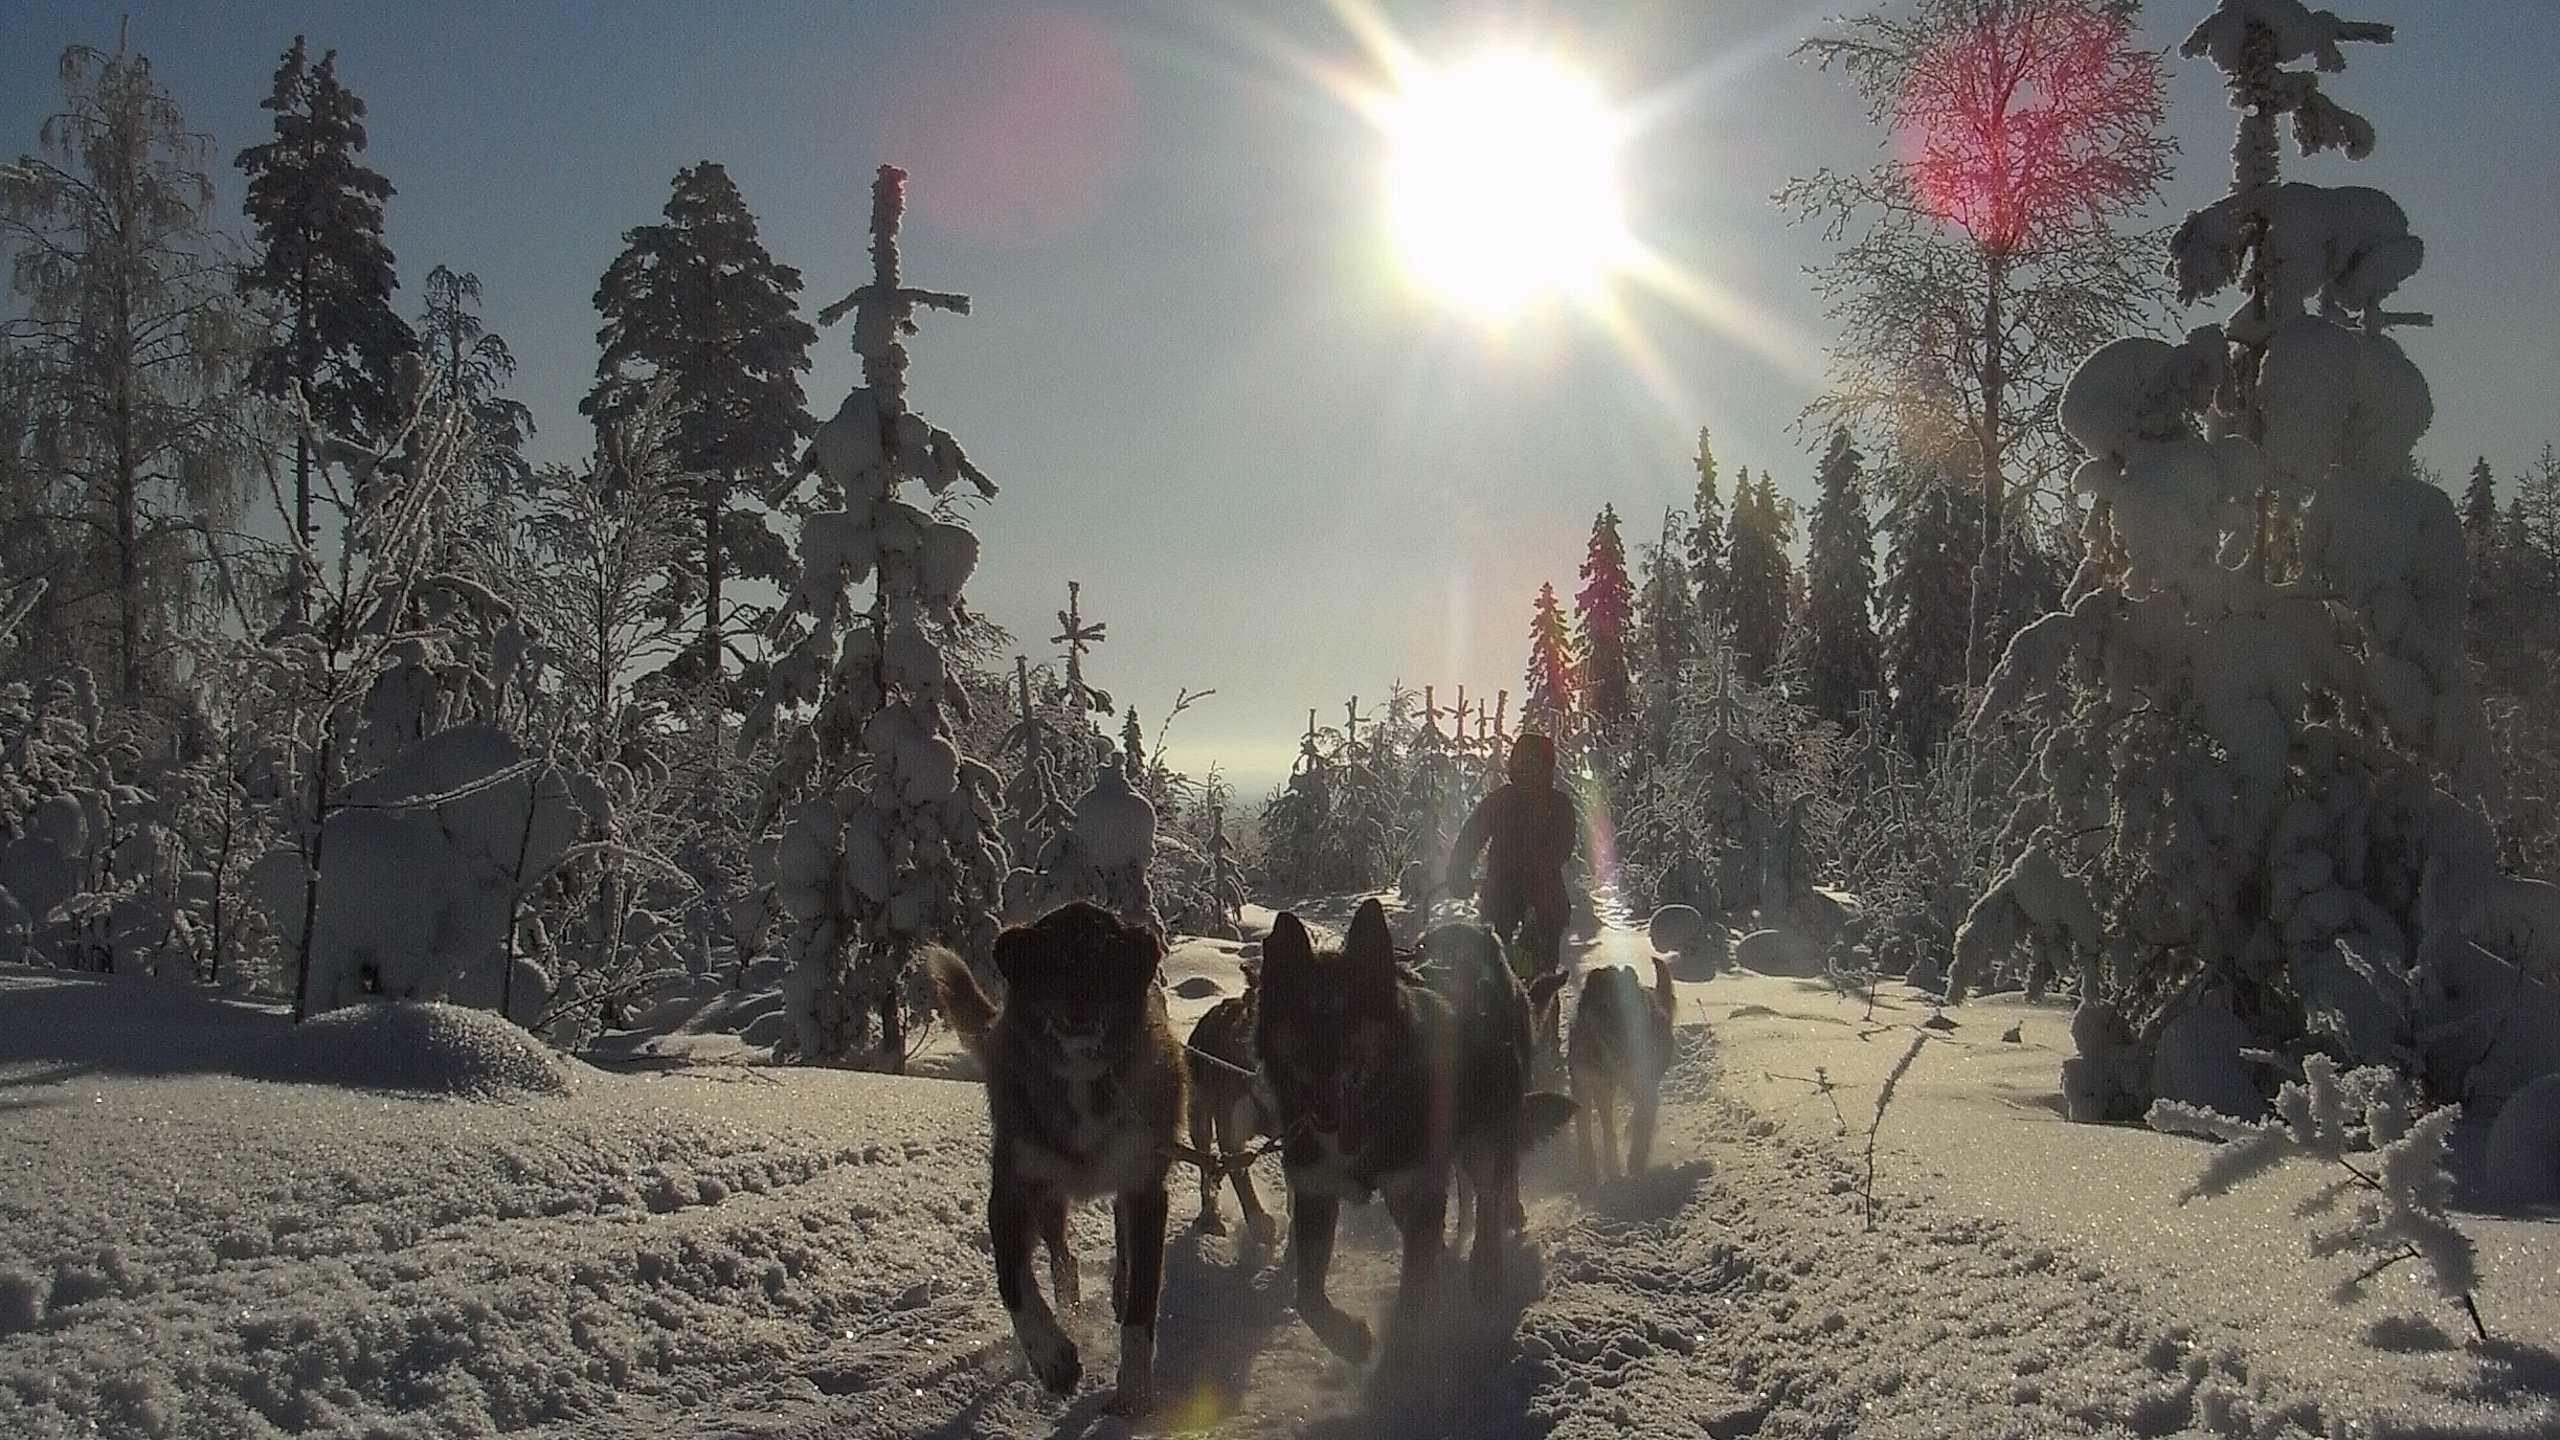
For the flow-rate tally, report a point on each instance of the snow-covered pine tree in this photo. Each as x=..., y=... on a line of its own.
x=1079, y=635
x=1035, y=807
x=1841, y=666
x=1667, y=613
x=2261, y=823
x=1928, y=569
x=1548, y=702
x=1604, y=614
x=700, y=300
x=1707, y=535
x=323, y=266
x=1133, y=746
x=2480, y=507
x=1757, y=582
x=892, y=841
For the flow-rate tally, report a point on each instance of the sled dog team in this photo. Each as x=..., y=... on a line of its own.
x=1402, y=1076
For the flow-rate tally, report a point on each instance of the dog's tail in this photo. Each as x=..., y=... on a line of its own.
x=1663, y=993
x=1543, y=1113
x=955, y=989
x=1543, y=989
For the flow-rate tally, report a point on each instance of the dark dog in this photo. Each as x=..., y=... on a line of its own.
x=1387, y=1080
x=1226, y=1113
x=1620, y=1049
x=1085, y=1092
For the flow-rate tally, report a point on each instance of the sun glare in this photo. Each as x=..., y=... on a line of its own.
x=1501, y=183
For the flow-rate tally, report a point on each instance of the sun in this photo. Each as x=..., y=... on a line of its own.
x=1501, y=182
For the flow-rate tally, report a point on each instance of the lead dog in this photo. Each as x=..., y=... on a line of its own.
x=1387, y=1081
x=1085, y=1095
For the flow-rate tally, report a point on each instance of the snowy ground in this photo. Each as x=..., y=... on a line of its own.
x=729, y=1250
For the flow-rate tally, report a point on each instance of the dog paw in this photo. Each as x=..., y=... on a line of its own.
x=1345, y=1336
x=1052, y=1355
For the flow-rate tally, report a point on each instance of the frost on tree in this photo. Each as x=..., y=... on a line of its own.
x=1103, y=855
x=892, y=840
x=2261, y=759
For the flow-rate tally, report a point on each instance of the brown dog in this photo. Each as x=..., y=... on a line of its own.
x=1226, y=1114
x=1620, y=1049
x=1085, y=1094
x=1387, y=1080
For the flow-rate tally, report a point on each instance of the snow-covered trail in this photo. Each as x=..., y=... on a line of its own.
x=1736, y=1290
x=187, y=1253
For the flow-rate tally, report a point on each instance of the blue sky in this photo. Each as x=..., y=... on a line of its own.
x=1193, y=366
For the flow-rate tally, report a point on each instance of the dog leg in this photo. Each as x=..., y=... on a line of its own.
x=1422, y=1218
x=1141, y=1266
x=1497, y=1173
x=1311, y=1225
x=1064, y=1283
x=1583, y=1093
x=1608, y=1130
x=1012, y=1212
x=1640, y=1131
x=1204, y=1138
x=1235, y=1134
x=1120, y=1258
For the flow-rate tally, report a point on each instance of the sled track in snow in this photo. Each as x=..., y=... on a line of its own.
x=1733, y=1291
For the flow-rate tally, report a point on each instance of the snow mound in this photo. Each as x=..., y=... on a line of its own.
x=2524, y=1147
x=414, y=1045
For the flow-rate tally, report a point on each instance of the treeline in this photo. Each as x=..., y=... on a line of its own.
x=313, y=685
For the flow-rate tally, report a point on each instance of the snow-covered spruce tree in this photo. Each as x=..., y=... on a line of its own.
x=1841, y=666
x=1706, y=537
x=1548, y=702
x=1928, y=569
x=700, y=301
x=1293, y=821
x=1035, y=808
x=2257, y=823
x=1667, y=620
x=323, y=266
x=1604, y=616
x=1758, y=583
x=892, y=841
x=1103, y=854
x=1359, y=830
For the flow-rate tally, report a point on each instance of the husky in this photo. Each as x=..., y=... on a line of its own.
x=1226, y=1110
x=1620, y=1049
x=1390, y=1080
x=1085, y=1088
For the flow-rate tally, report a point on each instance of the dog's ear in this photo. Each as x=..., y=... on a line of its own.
x=1135, y=956
x=1288, y=954
x=1016, y=951
x=1370, y=941
x=1369, y=956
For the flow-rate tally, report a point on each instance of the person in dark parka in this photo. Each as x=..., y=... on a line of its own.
x=1527, y=830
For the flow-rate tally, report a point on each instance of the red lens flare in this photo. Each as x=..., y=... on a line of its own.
x=2011, y=126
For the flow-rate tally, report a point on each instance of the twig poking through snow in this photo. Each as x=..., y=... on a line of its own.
x=1884, y=1099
